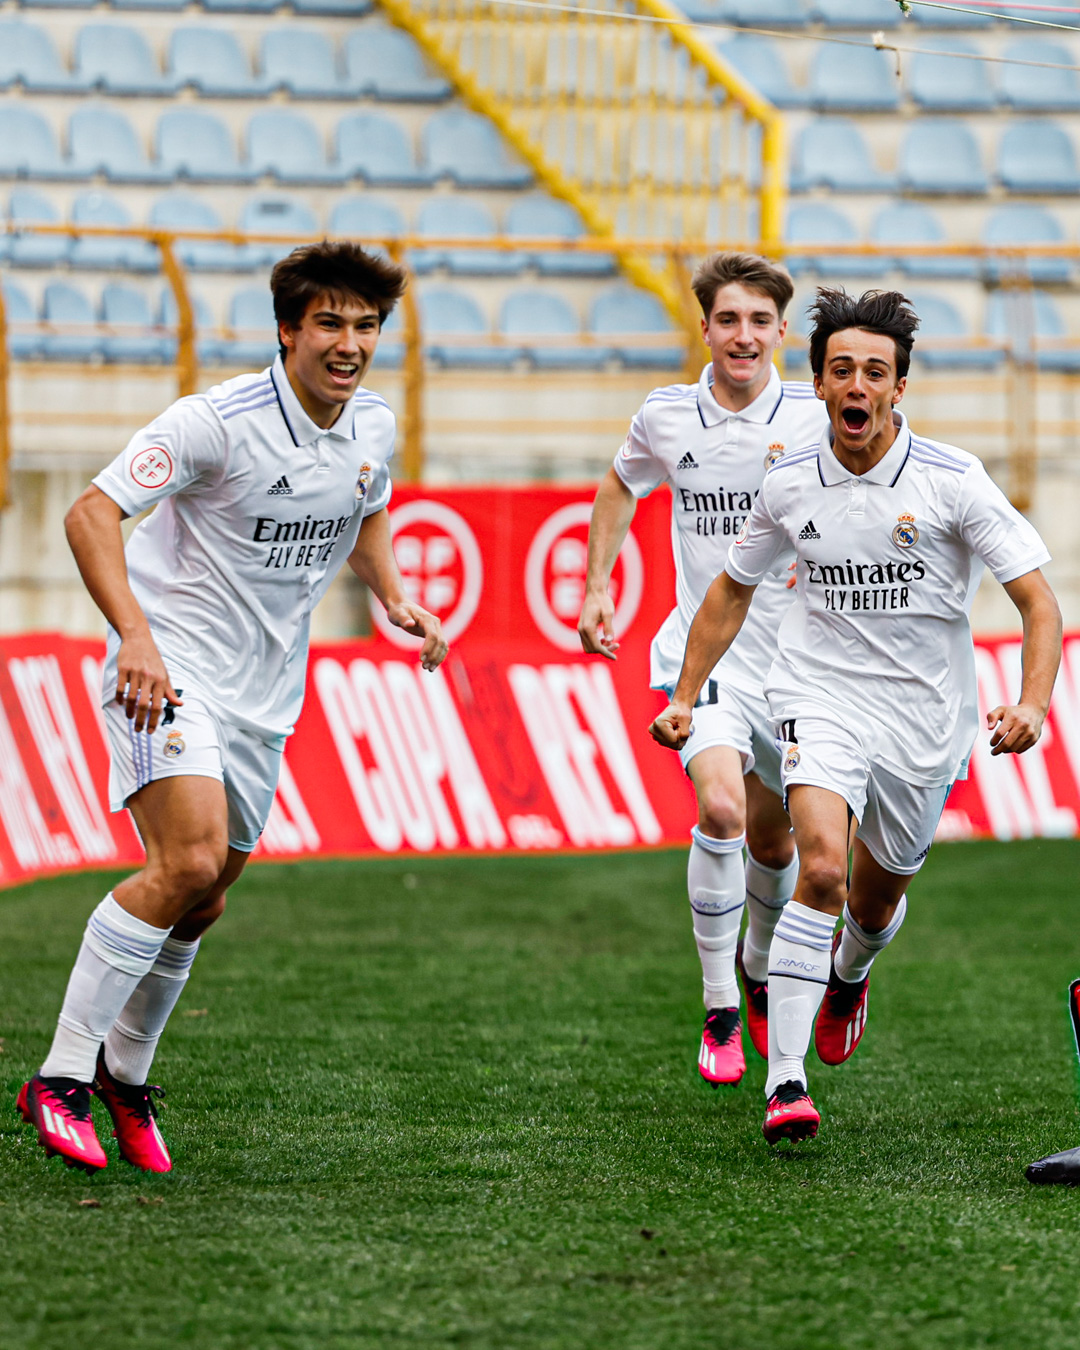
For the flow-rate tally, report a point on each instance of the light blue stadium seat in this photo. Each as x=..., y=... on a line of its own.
x=912, y=223
x=208, y=346
x=944, y=83
x=939, y=319
x=251, y=316
x=385, y=63
x=58, y=4
x=366, y=217
x=197, y=145
x=23, y=334
x=28, y=57
x=940, y=155
x=28, y=207
x=287, y=145
x=390, y=352
x=213, y=61
x=241, y=6
x=275, y=213
x=102, y=251
x=857, y=13
x=1023, y=224
x=76, y=336
x=180, y=210
x=125, y=309
x=28, y=145
x=814, y=223
x=346, y=9
x=102, y=140
x=1015, y=317
x=767, y=13
x=468, y=148
x=621, y=312
x=528, y=315
x=853, y=78
x=117, y=59
x=1037, y=157
x=301, y=61
x=379, y=150
x=760, y=61
x=1038, y=89
x=453, y=329
x=446, y=217
x=166, y=5
x=538, y=216
x=832, y=153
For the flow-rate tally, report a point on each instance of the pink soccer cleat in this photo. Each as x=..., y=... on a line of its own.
x=842, y=1019
x=134, y=1120
x=59, y=1109
x=757, y=1007
x=721, y=1058
x=790, y=1114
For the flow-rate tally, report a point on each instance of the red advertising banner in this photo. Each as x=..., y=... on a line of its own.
x=518, y=742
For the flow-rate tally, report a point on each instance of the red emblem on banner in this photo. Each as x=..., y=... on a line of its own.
x=441, y=564
x=152, y=467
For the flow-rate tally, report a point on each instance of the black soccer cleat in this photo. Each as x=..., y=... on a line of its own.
x=1059, y=1169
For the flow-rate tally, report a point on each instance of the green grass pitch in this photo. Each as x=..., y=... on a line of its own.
x=454, y=1103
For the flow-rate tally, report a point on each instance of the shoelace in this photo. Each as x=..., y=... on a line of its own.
x=73, y=1095
x=787, y=1093
x=139, y=1101
x=721, y=1023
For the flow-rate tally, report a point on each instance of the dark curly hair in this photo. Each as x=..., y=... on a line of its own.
x=885, y=312
x=337, y=268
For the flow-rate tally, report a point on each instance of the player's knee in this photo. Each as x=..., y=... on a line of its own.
x=719, y=814
x=771, y=851
x=823, y=879
x=192, y=872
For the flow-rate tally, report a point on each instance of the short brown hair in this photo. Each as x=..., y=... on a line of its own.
x=337, y=269
x=886, y=312
x=749, y=270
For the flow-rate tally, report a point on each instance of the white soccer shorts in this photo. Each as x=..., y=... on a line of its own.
x=897, y=819
x=725, y=714
x=196, y=743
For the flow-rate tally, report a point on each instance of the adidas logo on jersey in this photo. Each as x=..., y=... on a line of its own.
x=280, y=489
x=808, y=531
x=687, y=462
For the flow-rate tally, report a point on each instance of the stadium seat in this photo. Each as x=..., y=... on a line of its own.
x=1039, y=88
x=538, y=216
x=287, y=145
x=345, y=9
x=622, y=312
x=28, y=207
x=197, y=145
x=941, y=156
x=97, y=251
x=1037, y=157
x=1024, y=224
x=366, y=217
x=23, y=335
x=391, y=349
x=125, y=309
x=832, y=153
x=240, y=6
x=767, y=13
x=117, y=59
x=379, y=150
x=857, y=13
x=208, y=347
x=213, y=61
x=452, y=217
x=385, y=63
x=759, y=61
x=275, y=213
x=1015, y=317
x=912, y=223
x=179, y=211
x=946, y=84
x=526, y=316
x=814, y=224
x=102, y=140
x=856, y=78
x=166, y=5
x=58, y=4
x=76, y=336
x=28, y=145
x=251, y=317
x=939, y=319
x=28, y=58
x=301, y=61
x=468, y=148
x=452, y=324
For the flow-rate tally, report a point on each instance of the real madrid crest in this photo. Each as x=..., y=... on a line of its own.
x=363, y=482
x=174, y=745
x=791, y=759
x=905, y=534
x=775, y=452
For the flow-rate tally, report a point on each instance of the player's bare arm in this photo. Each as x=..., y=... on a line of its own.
x=93, y=533
x=613, y=510
x=1016, y=728
x=715, y=627
x=374, y=563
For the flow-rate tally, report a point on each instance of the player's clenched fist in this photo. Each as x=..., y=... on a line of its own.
x=672, y=727
x=1015, y=729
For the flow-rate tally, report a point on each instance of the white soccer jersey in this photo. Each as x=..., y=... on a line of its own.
x=715, y=461
x=888, y=563
x=257, y=509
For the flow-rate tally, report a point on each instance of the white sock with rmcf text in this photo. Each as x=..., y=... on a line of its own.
x=857, y=949
x=133, y=1039
x=799, y=962
x=714, y=878
x=768, y=889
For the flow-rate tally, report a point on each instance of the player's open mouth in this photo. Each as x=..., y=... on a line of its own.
x=743, y=358
x=341, y=373
x=854, y=420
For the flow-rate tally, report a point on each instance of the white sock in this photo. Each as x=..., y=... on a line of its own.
x=857, y=949
x=117, y=950
x=130, y=1045
x=798, y=973
x=714, y=878
x=768, y=890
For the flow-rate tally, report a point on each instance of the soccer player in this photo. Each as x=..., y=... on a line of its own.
x=262, y=486
x=873, y=688
x=711, y=442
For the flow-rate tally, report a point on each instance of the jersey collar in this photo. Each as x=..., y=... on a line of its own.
x=301, y=428
x=762, y=410
x=887, y=470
